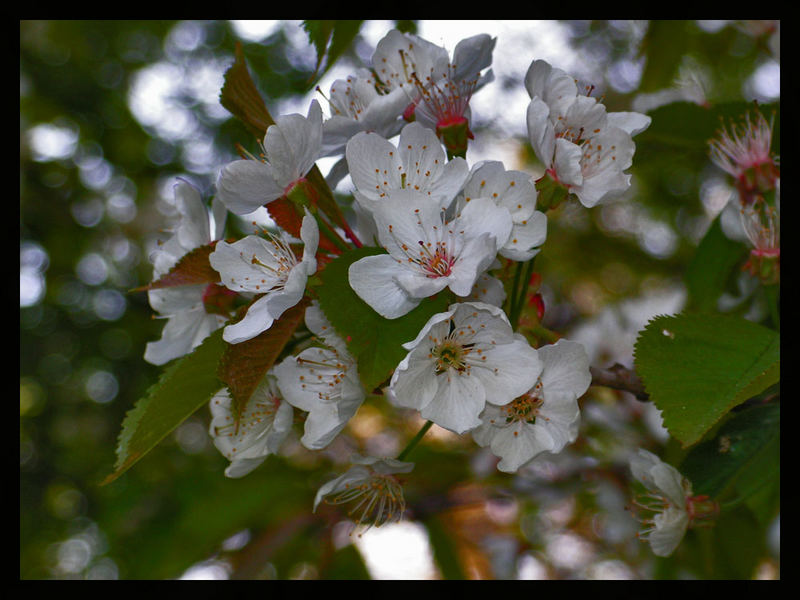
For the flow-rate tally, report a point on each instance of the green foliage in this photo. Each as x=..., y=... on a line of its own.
x=736, y=455
x=445, y=552
x=374, y=341
x=696, y=367
x=186, y=385
x=331, y=38
x=687, y=127
x=711, y=269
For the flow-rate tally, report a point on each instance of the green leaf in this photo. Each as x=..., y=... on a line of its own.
x=445, y=551
x=241, y=97
x=374, y=341
x=741, y=453
x=243, y=365
x=185, y=385
x=696, y=367
x=713, y=264
x=688, y=126
x=340, y=34
x=346, y=564
x=664, y=45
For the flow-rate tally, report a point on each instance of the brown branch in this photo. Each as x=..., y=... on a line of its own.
x=620, y=377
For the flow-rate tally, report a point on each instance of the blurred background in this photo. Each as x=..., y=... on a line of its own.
x=111, y=112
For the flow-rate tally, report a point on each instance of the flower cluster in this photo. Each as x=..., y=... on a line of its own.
x=668, y=507
x=437, y=227
x=745, y=152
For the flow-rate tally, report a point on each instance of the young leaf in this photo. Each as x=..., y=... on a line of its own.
x=243, y=365
x=184, y=386
x=342, y=32
x=714, y=465
x=714, y=261
x=374, y=341
x=241, y=97
x=192, y=269
x=696, y=367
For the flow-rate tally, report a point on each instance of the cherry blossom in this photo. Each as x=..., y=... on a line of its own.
x=427, y=254
x=582, y=146
x=269, y=268
x=262, y=427
x=462, y=359
x=356, y=106
x=322, y=381
x=372, y=483
x=744, y=151
x=193, y=312
x=543, y=419
x=515, y=192
x=417, y=163
x=670, y=503
x=291, y=147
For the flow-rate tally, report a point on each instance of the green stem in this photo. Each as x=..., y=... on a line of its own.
x=414, y=441
x=520, y=290
x=326, y=230
x=772, y=293
x=513, y=295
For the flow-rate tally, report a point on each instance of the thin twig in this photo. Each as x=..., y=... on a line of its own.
x=620, y=377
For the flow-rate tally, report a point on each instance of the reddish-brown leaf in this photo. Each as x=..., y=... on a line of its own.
x=243, y=365
x=192, y=269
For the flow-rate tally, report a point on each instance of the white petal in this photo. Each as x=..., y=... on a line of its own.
x=482, y=215
x=526, y=238
x=567, y=162
x=565, y=369
x=293, y=144
x=471, y=55
x=256, y=320
x=246, y=185
x=373, y=280
x=457, y=404
x=509, y=370
x=670, y=527
x=309, y=233
x=516, y=450
x=374, y=164
x=238, y=272
x=630, y=122
x=193, y=230
x=183, y=332
x=540, y=131
x=279, y=301
x=242, y=466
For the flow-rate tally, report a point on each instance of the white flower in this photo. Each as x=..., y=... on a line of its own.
x=371, y=481
x=670, y=500
x=543, y=419
x=269, y=267
x=357, y=106
x=515, y=192
x=437, y=88
x=581, y=146
x=323, y=382
x=425, y=253
x=262, y=427
x=189, y=320
x=400, y=56
x=291, y=147
x=489, y=290
x=462, y=359
x=417, y=163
